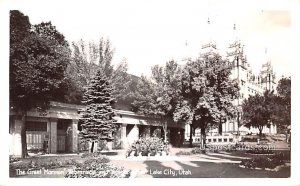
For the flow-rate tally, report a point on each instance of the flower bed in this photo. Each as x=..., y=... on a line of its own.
x=95, y=155
x=97, y=168
x=149, y=146
x=13, y=159
x=195, y=150
x=90, y=165
x=183, y=153
x=36, y=164
x=198, y=150
x=265, y=162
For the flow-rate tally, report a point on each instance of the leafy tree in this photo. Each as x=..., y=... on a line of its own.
x=258, y=110
x=207, y=93
x=158, y=96
x=38, y=58
x=282, y=110
x=144, y=97
x=97, y=118
x=86, y=59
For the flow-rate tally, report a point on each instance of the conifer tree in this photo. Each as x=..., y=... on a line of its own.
x=97, y=118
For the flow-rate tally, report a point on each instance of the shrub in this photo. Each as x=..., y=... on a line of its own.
x=280, y=157
x=197, y=150
x=13, y=159
x=265, y=161
x=186, y=153
x=148, y=145
x=95, y=155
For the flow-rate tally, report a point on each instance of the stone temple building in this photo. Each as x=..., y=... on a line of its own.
x=249, y=83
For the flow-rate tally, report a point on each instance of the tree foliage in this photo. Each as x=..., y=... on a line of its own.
x=37, y=66
x=207, y=93
x=258, y=110
x=97, y=118
x=282, y=110
x=158, y=96
x=39, y=56
x=87, y=59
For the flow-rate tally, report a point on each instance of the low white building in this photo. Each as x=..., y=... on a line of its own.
x=59, y=128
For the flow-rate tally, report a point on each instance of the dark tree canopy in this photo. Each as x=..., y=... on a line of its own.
x=38, y=60
x=97, y=118
x=37, y=65
x=258, y=110
x=282, y=110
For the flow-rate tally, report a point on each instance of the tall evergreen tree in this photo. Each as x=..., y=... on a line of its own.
x=97, y=118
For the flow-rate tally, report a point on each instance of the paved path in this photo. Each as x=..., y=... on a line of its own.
x=211, y=165
x=194, y=169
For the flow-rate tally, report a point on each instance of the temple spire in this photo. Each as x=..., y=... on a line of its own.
x=208, y=45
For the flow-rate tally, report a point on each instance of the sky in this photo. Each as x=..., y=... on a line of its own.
x=146, y=33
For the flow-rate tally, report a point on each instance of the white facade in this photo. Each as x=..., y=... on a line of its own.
x=59, y=128
x=249, y=83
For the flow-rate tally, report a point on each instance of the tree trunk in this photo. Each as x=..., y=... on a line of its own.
x=203, y=137
x=260, y=132
x=191, y=136
x=91, y=146
x=165, y=128
x=23, y=135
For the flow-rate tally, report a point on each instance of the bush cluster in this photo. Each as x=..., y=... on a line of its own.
x=43, y=163
x=97, y=168
x=13, y=159
x=195, y=150
x=185, y=153
x=266, y=161
x=198, y=150
x=148, y=146
x=95, y=155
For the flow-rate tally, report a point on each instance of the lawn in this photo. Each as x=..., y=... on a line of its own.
x=85, y=165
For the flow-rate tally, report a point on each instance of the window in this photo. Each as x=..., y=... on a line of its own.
x=220, y=140
x=214, y=140
x=225, y=139
x=36, y=126
x=230, y=140
x=209, y=140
